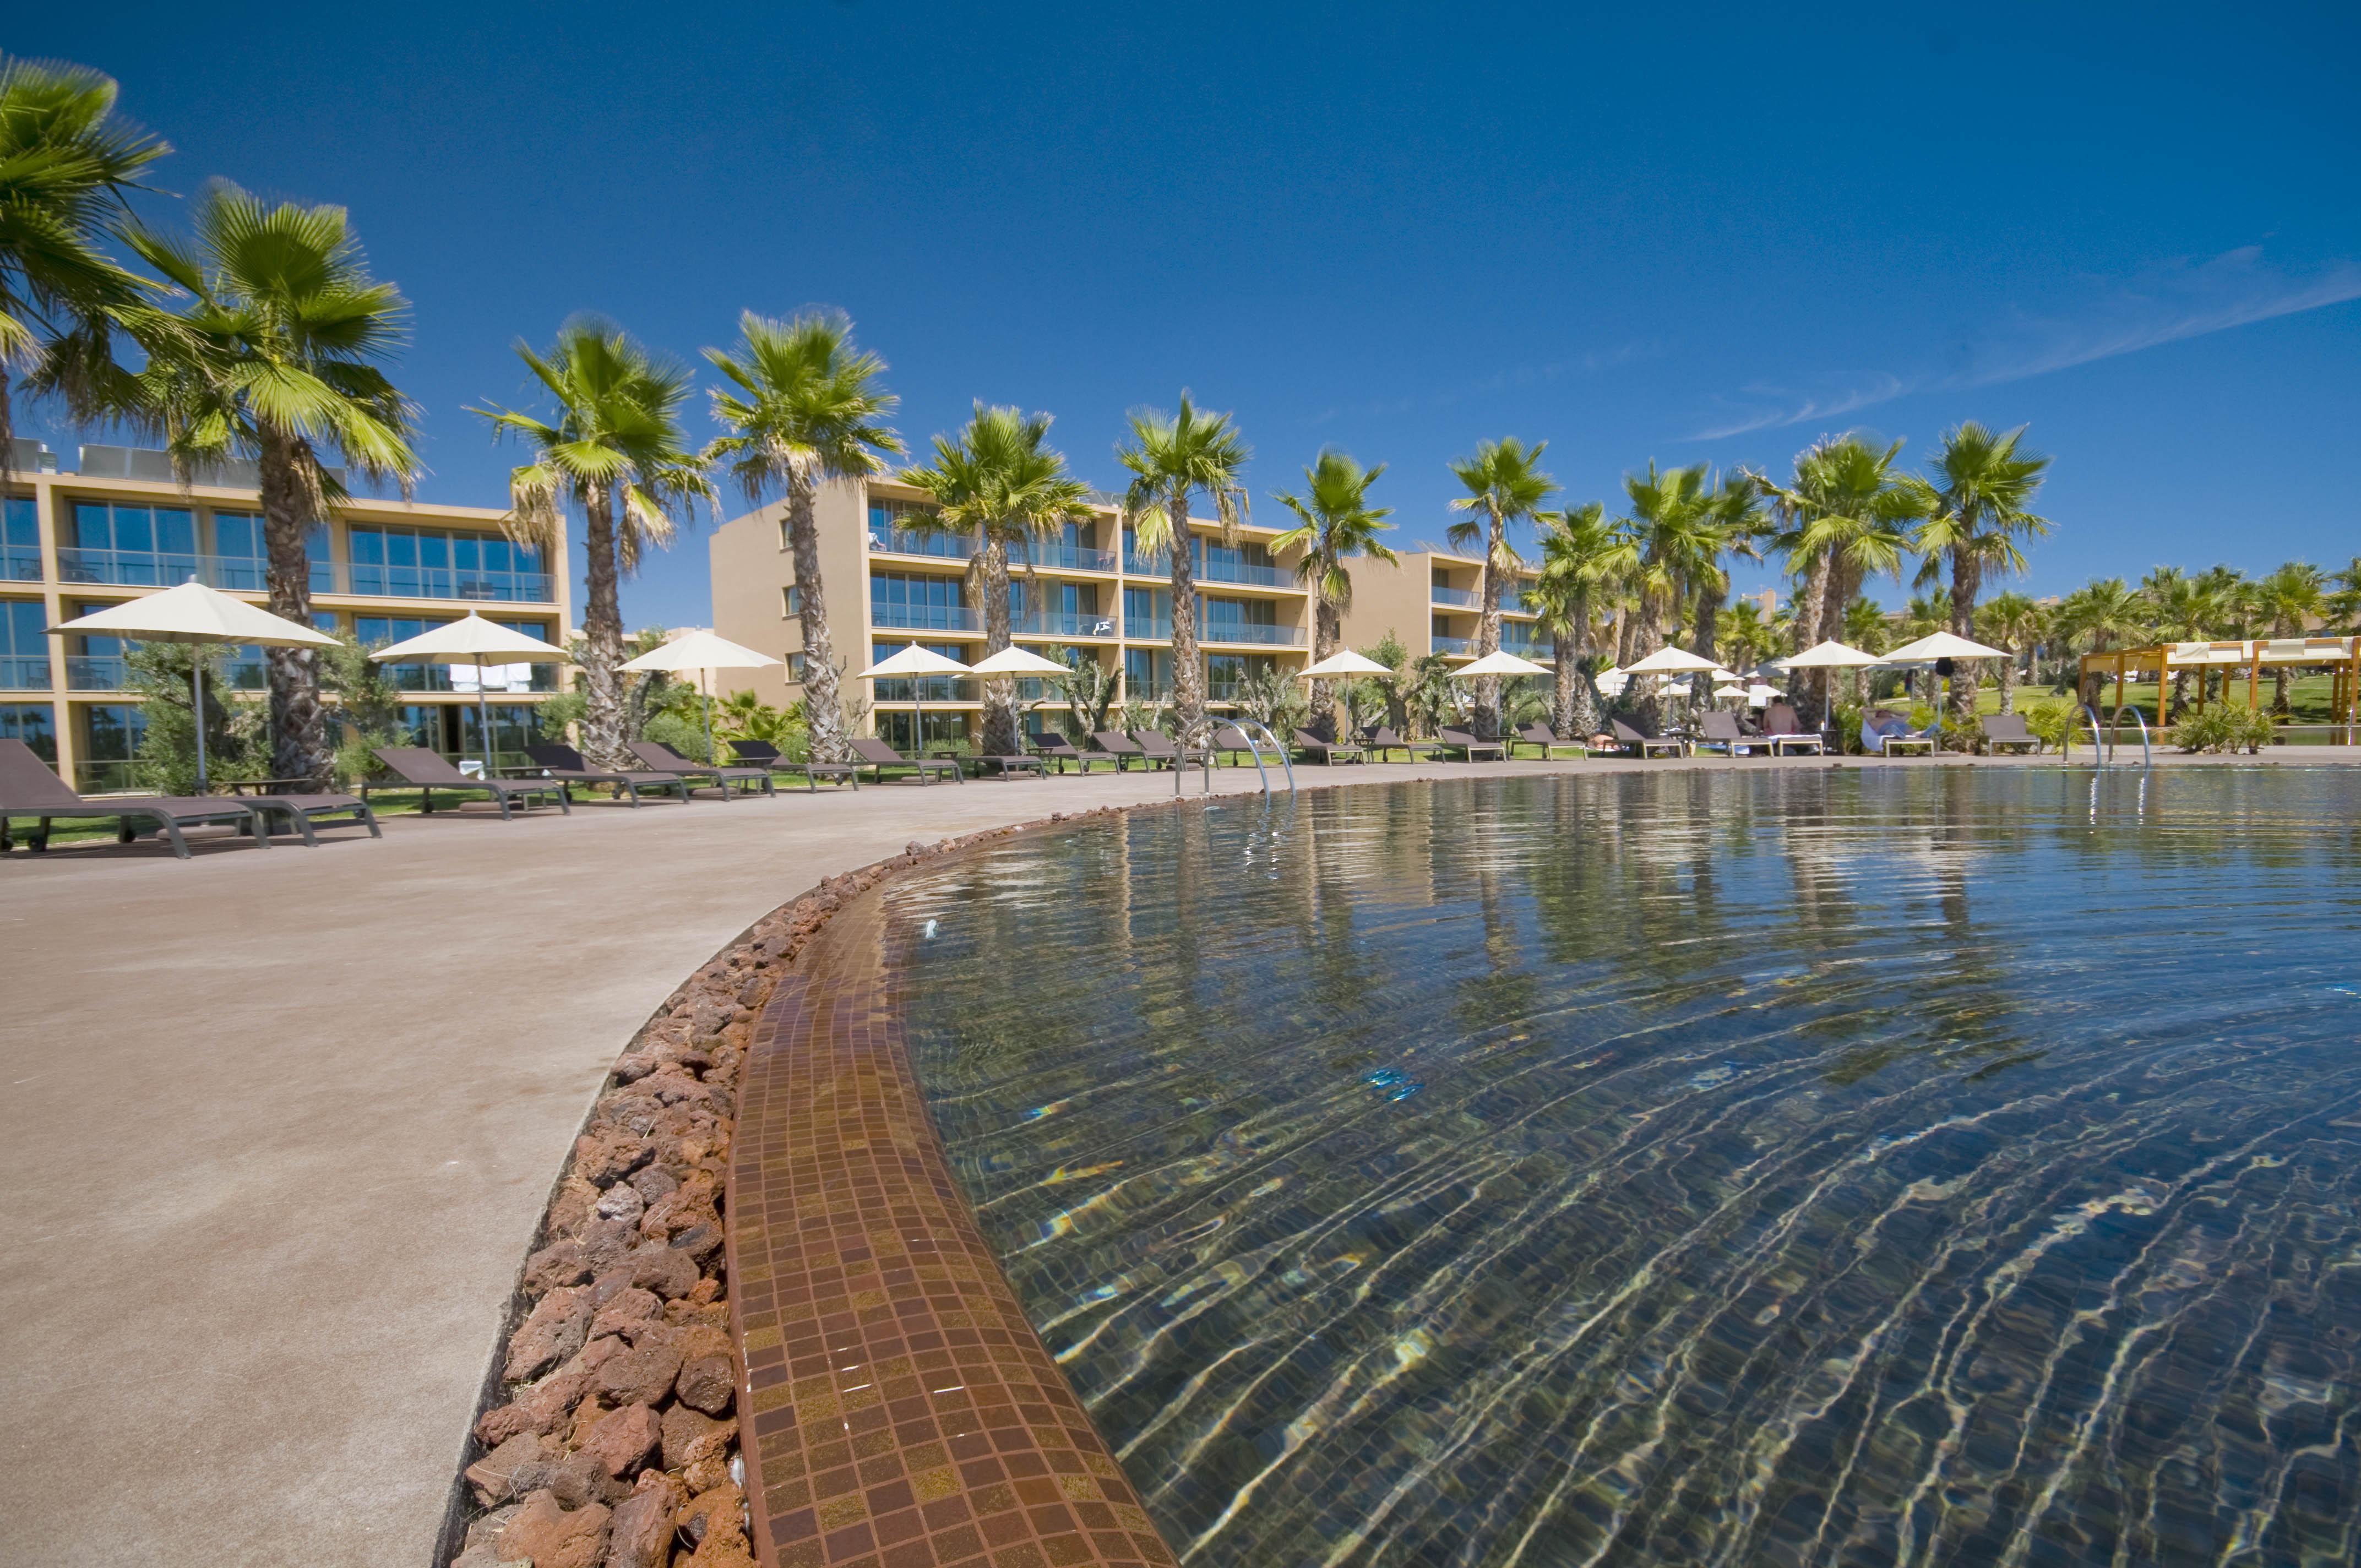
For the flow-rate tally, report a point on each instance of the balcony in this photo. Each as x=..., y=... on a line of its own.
x=922, y=542
x=1246, y=632
x=1058, y=623
x=372, y=581
x=931, y=688
x=437, y=678
x=922, y=617
x=1141, y=565
x=1238, y=572
x=1462, y=599
x=1147, y=628
x=96, y=673
x=1456, y=645
x=20, y=563
x=24, y=673
x=1070, y=558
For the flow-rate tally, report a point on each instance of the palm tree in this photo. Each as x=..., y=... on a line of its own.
x=1846, y=516
x=1584, y=558
x=65, y=163
x=2293, y=596
x=1505, y=483
x=1673, y=525
x=1743, y=637
x=2180, y=610
x=2012, y=621
x=1982, y=485
x=1735, y=513
x=2345, y=603
x=1867, y=628
x=617, y=452
x=275, y=356
x=1171, y=456
x=1333, y=521
x=1000, y=481
x=809, y=408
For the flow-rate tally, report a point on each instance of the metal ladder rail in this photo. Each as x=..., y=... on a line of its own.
x=1248, y=727
x=2065, y=741
x=2115, y=730
x=1204, y=759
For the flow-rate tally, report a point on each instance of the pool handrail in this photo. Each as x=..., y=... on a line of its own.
x=2065, y=740
x=1246, y=729
x=2115, y=730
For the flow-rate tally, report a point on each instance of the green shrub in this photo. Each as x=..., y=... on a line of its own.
x=2215, y=729
x=1849, y=728
x=684, y=735
x=2255, y=730
x=2050, y=721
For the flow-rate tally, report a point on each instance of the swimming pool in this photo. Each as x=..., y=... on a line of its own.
x=1865, y=1166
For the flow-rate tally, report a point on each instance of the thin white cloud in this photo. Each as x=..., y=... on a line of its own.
x=1590, y=363
x=2168, y=303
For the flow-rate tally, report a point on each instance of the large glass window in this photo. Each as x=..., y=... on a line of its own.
x=1147, y=675
x=34, y=723
x=899, y=730
x=1226, y=673
x=928, y=688
x=242, y=557
x=24, y=646
x=95, y=663
x=889, y=530
x=1147, y=612
x=1061, y=609
x=375, y=632
x=919, y=603
x=20, y=540
x=426, y=563
x=111, y=733
x=154, y=547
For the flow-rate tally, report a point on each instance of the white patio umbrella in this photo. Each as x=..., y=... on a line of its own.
x=1669, y=661
x=472, y=640
x=1729, y=691
x=704, y=653
x=1941, y=645
x=1611, y=680
x=1831, y=657
x=1343, y=663
x=195, y=613
x=908, y=665
x=1501, y=664
x=1014, y=660
x=1761, y=692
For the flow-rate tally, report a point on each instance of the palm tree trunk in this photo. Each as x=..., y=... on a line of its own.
x=2008, y=684
x=999, y=696
x=1810, y=633
x=1488, y=628
x=1327, y=632
x=1188, y=668
x=1709, y=622
x=823, y=700
x=1562, y=694
x=1648, y=702
x=604, y=725
x=299, y=747
x=1967, y=579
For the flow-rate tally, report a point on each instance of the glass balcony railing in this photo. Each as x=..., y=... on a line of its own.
x=1540, y=651
x=1244, y=631
x=922, y=542
x=1453, y=644
x=1147, y=565
x=24, y=673
x=1240, y=572
x=1059, y=624
x=105, y=778
x=1464, y=598
x=437, y=678
x=1147, y=628
x=922, y=617
x=444, y=583
x=930, y=688
x=128, y=568
x=95, y=673
x=1073, y=558
x=20, y=563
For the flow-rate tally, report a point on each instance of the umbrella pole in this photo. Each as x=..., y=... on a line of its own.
x=197, y=678
x=709, y=754
x=484, y=720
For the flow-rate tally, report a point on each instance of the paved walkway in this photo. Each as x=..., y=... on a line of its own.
x=280, y=1125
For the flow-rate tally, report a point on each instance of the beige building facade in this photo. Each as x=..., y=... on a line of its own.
x=117, y=525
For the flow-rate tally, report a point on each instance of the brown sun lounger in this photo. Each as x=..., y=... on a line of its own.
x=1646, y=745
x=1786, y=733
x=1121, y=747
x=1158, y=748
x=763, y=754
x=2008, y=729
x=1380, y=739
x=1050, y=743
x=1468, y=746
x=1718, y=731
x=568, y=767
x=1541, y=735
x=877, y=754
x=304, y=812
x=430, y=770
x=662, y=759
x=1329, y=750
x=27, y=788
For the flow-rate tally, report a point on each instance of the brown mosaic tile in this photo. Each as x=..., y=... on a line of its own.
x=899, y=1412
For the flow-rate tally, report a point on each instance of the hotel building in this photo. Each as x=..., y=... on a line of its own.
x=118, y=525
x=889, y=585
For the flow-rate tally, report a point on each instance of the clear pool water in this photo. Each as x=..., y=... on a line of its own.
x=1859, y=1166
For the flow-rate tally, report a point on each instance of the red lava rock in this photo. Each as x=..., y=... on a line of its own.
x=655, y=1183
x=519, y=1464
x=557, y=1330
x=559, y=1263
x=574, y=1201
x=623, y=1441
x=607, y=1154
x=723, y=1507
x=626, y=1305
x=640, y=1377
x=667, y=1271
x=552, y=1536
x=709, y=1383
x=642, y=1531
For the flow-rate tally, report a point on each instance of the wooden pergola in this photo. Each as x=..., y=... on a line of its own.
x=2340, y=656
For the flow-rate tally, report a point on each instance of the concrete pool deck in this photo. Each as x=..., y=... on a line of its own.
x=284, y=1123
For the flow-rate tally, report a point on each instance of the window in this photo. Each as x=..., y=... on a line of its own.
x=791, y=600
x=153, y=547
x=899, y=730
x=905, y=600
x=427, y=563
x=1147, y=675
x=1231, y=614
x=1226, y=673
x=926, y=688
x=1147, y=612
x=890, y=530
x=24, y=646
x=111, y=733
x=796, y=669
x=20, y=542
x=35, y=724
x=242, y=556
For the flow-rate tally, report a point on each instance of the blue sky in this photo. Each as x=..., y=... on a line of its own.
x=1698, y=233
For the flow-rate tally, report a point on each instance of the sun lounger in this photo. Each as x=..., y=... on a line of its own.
x=2008, y=729
x=27, y=788
x=1786, y=733
x=1156, y=747
x=429, y=771
x=1328, y=751
x=1057, y=748
x=1890, y=735
x=1468, y=746
x=877, y=754
x=1380, y=739
x=659, y=758
x=1121, y=747
x=1719, y=731
x=1541, y=736
x=568, y=767
x=763, y=754
x=304, y=812
x=1010, y=766
x=1646, y=745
